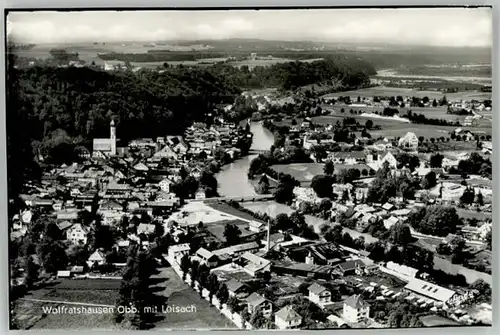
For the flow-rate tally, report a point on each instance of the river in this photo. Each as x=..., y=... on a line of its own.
x=232, y=178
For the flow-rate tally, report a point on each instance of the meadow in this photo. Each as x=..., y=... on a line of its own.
x=395, y=91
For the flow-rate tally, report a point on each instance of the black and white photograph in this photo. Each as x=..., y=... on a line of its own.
x=243, y=169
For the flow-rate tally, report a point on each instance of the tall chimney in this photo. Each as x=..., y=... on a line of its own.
x=268, y=234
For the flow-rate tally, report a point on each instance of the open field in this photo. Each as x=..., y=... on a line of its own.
x=394, y=91
x=391, y=128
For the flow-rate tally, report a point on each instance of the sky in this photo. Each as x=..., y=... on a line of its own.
x=457, y=27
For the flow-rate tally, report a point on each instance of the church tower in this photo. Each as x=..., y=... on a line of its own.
x=112, y=137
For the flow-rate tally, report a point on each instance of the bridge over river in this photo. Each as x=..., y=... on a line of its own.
x=241, y=198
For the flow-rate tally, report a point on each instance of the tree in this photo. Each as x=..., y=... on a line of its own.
x=263, y=185
x=436, y=160
x=488, y=239
x=369, y=124
x=232, y=234
x=430, y=180
x=233, y=304
x=401, y=234
x=284, y=192
x=53, y=255
x=31, y=272
x=479, y=199
x=468, y=196
x=328, y=168
x=222, y=294
x=322, y=185
x=434, y=220
x=484, y=289
x=135, y=288
x=185, y=266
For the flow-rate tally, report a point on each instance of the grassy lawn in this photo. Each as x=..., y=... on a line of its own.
x=105, y=297
x=303, y=172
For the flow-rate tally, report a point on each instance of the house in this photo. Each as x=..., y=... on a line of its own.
x=181, y=148
x=391, y=221
x=256, y=226
x=176, y=252
x=200, y=195
x=319, y=294
x=67, y=215
x=110, y=205
x=77, y=234
x=166, y=152
x=164, y=185
x=236, y=288
x=409, y=141
x=145, y=228
x=257, y=302
x=433, y=292
x=355, y=309
x=349, y=157
x=253, y=264
x=77, y=269
x=63, y=274
x=96, y=258
x=63, y=225
x=207, y=257
x=141, y=167
x=287, y=318
x=351, y=267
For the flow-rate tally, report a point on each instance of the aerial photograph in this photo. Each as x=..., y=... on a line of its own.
x=207, y=169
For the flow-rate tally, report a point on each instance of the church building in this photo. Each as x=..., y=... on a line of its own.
x=106, y=146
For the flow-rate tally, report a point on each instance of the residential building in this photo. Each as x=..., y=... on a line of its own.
x=96, y=258
x=236, y=288
x=409, y=141
x=145, y=228
x=206, y=257
x=176, y=252
x=165, y=184
x=77, y=234
x=257, y=302
x=287, y=318
x=319, y=294
x=355, y=309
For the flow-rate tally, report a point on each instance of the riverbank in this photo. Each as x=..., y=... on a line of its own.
x=232, y=179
